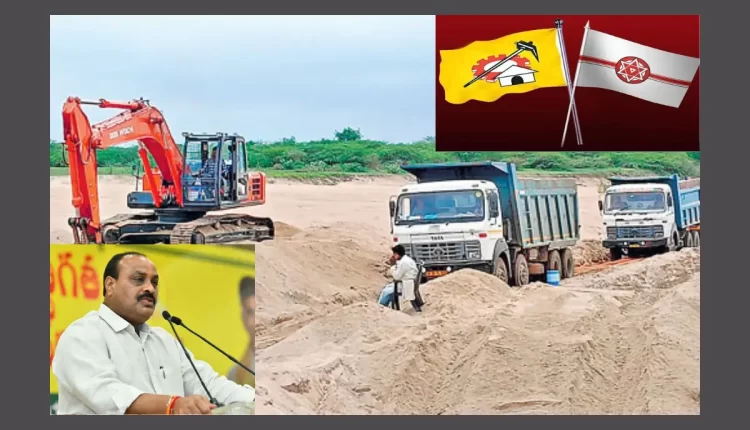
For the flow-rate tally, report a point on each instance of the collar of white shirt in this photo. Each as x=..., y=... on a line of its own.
x=118, y=323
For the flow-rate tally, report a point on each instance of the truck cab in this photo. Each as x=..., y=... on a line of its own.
x=448, y=225
x=649, y=214
x=638, y=215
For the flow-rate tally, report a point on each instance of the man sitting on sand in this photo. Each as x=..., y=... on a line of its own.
x=404, y=272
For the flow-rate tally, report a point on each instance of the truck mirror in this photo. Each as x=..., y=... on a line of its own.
x=601, y=206
x=494, y=213
x=392, y=207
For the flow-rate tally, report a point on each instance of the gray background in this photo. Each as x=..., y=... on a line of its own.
x=723, y=124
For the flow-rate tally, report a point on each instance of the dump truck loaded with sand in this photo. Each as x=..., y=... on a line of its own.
x=482, y=216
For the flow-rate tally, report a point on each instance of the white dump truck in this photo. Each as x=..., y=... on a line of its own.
x=650, y=214
x=482, y=216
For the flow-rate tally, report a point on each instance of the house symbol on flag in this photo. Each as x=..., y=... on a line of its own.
x=508, y=73
x=516, y=75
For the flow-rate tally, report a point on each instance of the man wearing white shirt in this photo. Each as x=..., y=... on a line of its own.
x=404, y=272
x=112, y=362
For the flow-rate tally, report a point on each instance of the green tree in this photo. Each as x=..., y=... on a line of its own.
x=348, y=134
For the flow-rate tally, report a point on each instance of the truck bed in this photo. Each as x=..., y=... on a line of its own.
x=536, y=212
x=547, y=212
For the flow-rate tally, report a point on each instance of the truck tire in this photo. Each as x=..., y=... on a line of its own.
x=520, y=271
x=554, y=262
x=501, y=269
x=689, y=240
x=697, y=239
x=676, y=245
x=615, y=254
x=568, y=264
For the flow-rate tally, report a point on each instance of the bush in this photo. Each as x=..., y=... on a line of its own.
x=367, y=156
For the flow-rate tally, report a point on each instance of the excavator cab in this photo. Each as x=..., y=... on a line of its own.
x=215, y=175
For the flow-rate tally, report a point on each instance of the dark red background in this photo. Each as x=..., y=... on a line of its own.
x=534, y=121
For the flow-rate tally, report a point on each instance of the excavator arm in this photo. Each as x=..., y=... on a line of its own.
x=138, y=121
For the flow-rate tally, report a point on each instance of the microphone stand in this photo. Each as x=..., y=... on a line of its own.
x=179, y=322
x=211, y=398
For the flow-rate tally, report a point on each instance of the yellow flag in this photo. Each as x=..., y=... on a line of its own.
x=523, y=73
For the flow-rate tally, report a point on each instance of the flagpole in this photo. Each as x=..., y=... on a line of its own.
x=575, y=82
x=566, y=67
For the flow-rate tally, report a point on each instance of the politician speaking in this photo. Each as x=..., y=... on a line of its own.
x=111, y=362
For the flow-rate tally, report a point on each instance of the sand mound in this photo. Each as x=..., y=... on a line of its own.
x=590, y=252
x=659, y=271
x=313, y=272
x=630, y=345
x=464, y=293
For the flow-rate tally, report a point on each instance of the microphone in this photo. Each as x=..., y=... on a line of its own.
x=168, y=317
x=179, y=322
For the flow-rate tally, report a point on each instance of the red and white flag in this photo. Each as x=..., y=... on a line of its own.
x=616, y=64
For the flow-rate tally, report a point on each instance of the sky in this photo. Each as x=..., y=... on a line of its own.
x=264, y=77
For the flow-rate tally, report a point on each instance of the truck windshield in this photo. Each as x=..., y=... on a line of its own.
x=620, y=202
x=444, y=206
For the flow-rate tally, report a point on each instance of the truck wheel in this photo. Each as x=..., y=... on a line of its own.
x=675, y=243
x=520, y=271
x=697, y=239
x=615, y=254
x=501, y=269
x=553, y=263
x=568, y=264
x=689, y=240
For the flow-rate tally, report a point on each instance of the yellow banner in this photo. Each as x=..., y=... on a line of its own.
x=198, y=283
x=524, y=72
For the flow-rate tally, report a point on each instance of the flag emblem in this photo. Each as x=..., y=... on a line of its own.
x=665, y=79
x=516, y=71
x=632, y=70
x=616, y=64
x=489, y=69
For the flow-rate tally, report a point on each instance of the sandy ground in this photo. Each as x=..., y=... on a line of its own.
x=617, y=342
x=621, y=341
x=362, y=202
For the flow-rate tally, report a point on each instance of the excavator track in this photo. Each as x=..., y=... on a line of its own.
x=209, y=229
x=212, y=229
x=111, y=226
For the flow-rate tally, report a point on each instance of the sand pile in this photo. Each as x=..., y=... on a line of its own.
x=590, y=252
x=309, y=273
x=622, y=341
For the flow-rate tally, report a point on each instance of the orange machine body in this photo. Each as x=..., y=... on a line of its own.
x=140, y=122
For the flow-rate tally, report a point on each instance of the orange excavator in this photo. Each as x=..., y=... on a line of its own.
x=210, y=173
